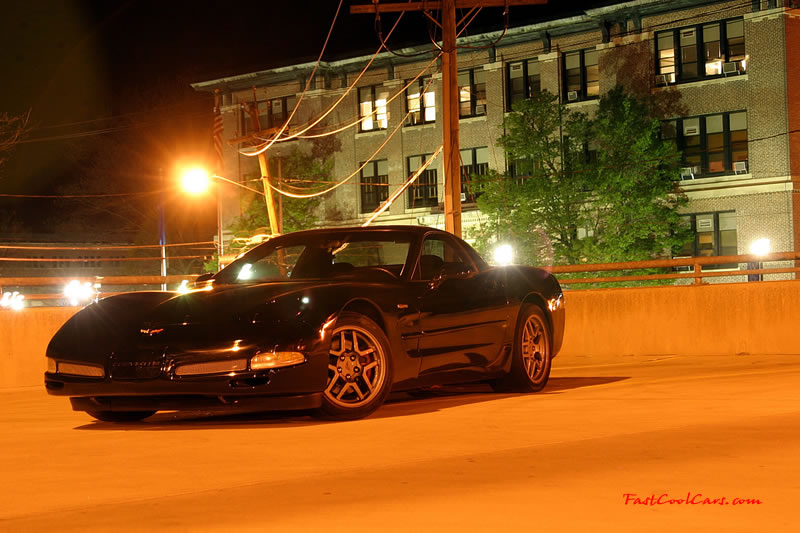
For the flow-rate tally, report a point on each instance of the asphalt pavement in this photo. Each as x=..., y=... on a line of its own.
x=636, y=444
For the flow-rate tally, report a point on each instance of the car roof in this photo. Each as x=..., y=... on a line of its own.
x=418, y=230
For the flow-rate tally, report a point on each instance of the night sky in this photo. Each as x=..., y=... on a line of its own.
x=107, y=85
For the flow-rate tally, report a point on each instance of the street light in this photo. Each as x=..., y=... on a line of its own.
x=197, y=181
x=503, y=255
x=760, y=248
x=162, y=231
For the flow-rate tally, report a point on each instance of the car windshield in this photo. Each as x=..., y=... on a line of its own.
x=320, y=256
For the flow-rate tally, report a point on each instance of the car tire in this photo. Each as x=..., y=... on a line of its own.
x=359, y=369
x=120, y=416
x=532, y=353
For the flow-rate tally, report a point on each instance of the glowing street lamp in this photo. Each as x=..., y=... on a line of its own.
x=760, y=248
x=197, y=181
x=13, y=300
x=78, y=293
x=503, y=255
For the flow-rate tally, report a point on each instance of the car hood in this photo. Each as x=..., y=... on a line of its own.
x=220, y=303
x=200, y=319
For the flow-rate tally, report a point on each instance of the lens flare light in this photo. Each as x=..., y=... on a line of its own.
x=196, y=181
x=760, y=247
x=13, y=300
x=503, y=255
x=78, y=293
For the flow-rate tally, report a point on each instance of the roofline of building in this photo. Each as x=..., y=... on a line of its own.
x=592, y=19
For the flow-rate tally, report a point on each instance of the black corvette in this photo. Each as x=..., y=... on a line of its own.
x=330, y=320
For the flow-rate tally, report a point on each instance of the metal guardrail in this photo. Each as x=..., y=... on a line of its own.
x=58, y=284
x=696, y=263
x=755, y=267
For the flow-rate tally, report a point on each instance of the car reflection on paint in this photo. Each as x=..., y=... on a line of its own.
x=330, y=320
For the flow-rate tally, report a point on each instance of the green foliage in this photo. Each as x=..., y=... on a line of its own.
x=600, y=189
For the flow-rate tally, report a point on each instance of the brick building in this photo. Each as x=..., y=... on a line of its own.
x=734, y=66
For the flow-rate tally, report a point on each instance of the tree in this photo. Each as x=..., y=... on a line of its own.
x=599, y=189
x=12, y=128
x=635, y=212
x=541, y=212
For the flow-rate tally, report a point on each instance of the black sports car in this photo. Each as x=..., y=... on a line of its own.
x=329, y=319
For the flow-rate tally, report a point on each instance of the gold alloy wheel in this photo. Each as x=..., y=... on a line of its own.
x=356, y=367
x=535, y=348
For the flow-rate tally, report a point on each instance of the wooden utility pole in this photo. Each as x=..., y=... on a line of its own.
x=274, y=225
x=451, y=153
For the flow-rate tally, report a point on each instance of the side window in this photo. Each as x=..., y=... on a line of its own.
x=278, y=264
x=436, y=253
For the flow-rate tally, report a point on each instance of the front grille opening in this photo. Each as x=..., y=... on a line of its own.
x=249, y=382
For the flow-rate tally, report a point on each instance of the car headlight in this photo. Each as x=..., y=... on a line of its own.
x=276, y=360
x=75, y=369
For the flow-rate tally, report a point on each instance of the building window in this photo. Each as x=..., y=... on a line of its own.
x=520, y=169
x=712, y=145
x=272, y=113
x=374, y=185
x=714, y=235
x=472, y=93
x=700, y=52
x=474, y=162
x=581, y=75
x=279, y=109
x=424, y=192
x=523, y=80
x=372, y=108
x=420, y=102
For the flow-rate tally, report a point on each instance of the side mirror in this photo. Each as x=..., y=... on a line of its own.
x=455, y=270
x=203, y=278
x=450, y=271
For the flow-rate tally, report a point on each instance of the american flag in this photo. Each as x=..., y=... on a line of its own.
x=217, y=131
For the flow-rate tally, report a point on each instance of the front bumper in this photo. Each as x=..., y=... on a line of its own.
x=236, y=404
x=295, y=387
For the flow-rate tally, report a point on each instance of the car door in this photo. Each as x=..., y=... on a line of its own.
x=463, y=314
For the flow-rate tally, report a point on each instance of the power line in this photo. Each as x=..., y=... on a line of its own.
x=111, y=247
x=509, y=57
x=98, y=259
x=260, y=150
x=79, y=196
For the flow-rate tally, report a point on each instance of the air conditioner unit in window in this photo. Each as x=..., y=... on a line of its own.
x=572, y=96
x=687, y=173
x=665, y=79
x=740, y=167
x=730, y=68
x=705, y=224
x=682, y=268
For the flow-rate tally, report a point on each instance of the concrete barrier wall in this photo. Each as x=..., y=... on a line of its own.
x=601, y=325
x=23, y=340
x=719, y=319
